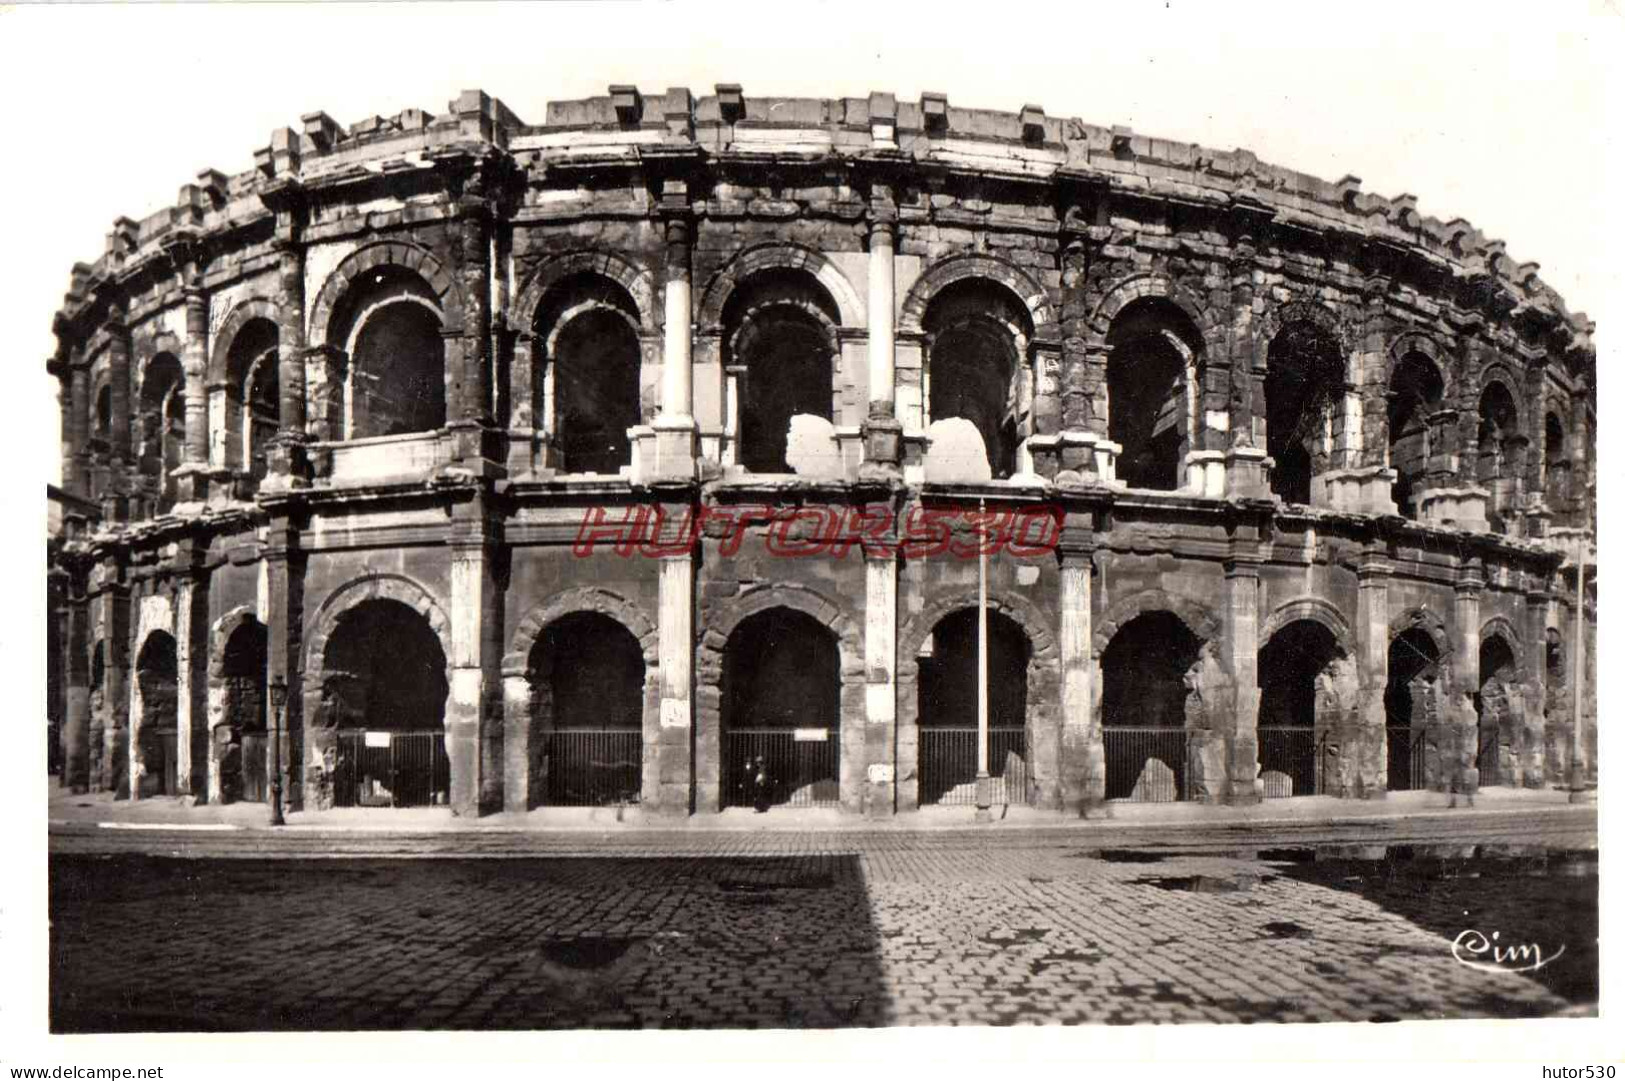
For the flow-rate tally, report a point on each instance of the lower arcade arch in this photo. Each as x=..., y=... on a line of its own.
x=1142, y=707
x=1299, y=709
x=382, y=713
x=1412, y=704
x=587, y=688
x=157, y=745
x=241, y=750
x=1499, y=704
x=947, y=715
x=781, y=712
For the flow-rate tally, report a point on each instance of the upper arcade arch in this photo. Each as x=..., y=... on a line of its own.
x=753, y=261
x=351, y=277
x=940, y=275
x=635, y=281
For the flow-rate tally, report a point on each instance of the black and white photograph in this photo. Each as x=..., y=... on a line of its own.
x=898, y=524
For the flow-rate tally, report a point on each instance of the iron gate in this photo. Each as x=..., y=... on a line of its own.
x=948, y=765
x=1489, y=755
x=1405, y=761
x=1291, y=753
x=168, y=780
x=391, y=769
x=1131, y=757
x=593, y=767
x=803, y=766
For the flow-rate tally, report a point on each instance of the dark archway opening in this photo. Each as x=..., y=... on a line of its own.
x=587, y=685
x=1153, y=346
x=596, y=396
x=786, y=364
x=384, y=690
x=252, y=397
x=948, y=709
x=163, y=428
x=1415, y=394
x=1497, y=673
x=978, y=334
x=241, y=748
x=1301, y=392
x=1142, y=707
x=398, y=372
x=157, y=679
x=1555, y=482
x=781, y=718
x=1410, y=704
x=1497, y=451
x=1289, y=732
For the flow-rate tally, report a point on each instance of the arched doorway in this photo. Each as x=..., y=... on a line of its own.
x=947, y=710
x=1301, y=394
x=1291, y=731
x=1411, y=704
x=1142, y=707
x=779, y=349
x=241, y=747
x=384, y=698
x=163, y=428
x=1416, y=394
x=1155, y=355
x=979, y=332
x=587, y=689
x=1499, y=451
x=781, y=717
x=158, y=747
x=1497, y=725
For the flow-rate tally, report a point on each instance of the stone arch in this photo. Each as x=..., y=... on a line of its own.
x=1043, y=692
x=220, y=633
x=1316, y=611
x=1430, y=623
x=582, y=599
x=1500, y=372
x=1198, y=617
x=721, y=623
x=1423, y=344
x=239, y=317
x=1032, y=295
x=1027, y=615
x=1277, y=316
x=1125, y=291
x=1502, y=627
x=637, y=281
x=393, y=587
x=412, y=257
x=779, y=256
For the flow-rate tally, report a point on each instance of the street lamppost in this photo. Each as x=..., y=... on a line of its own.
x=279, y=702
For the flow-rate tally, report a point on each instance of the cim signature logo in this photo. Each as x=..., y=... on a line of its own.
x=1471, y=948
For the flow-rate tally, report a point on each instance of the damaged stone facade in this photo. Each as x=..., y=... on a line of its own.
x=366, y=419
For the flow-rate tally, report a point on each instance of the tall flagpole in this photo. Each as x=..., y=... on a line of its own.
x=984, y=784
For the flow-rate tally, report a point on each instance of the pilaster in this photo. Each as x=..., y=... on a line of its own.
x=670, y=782
x=474, y=718
x=1083, y=748
x=1241, y=587
x=880, y=669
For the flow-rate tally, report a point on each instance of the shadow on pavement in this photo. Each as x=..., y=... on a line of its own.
x=142, y=944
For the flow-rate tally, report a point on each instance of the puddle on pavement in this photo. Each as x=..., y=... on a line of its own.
x=1287, y=929
x=586, y=953
x=1129, y=855
x=1239, y=883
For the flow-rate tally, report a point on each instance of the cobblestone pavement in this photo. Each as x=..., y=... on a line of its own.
x=795, y=930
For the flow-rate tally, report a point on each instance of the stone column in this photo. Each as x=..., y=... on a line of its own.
x=284, y=622
x=473, y=725
x=880, y=667
x=672, y=765
x=114, y=617
x=1083, y=748
x=1531, y=739
x=1241, y=648
x=1463, y=718
x=118, y=371
x=883, y=432
x=468, y=347
x=287, y=465
x=517, y=751
x=76, y=713
x=76, y=473
x=1370, y=740
x=193, y=475
x=675, y=430
x=191, y=675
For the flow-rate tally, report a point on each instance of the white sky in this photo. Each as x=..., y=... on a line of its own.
x=1498, y=114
